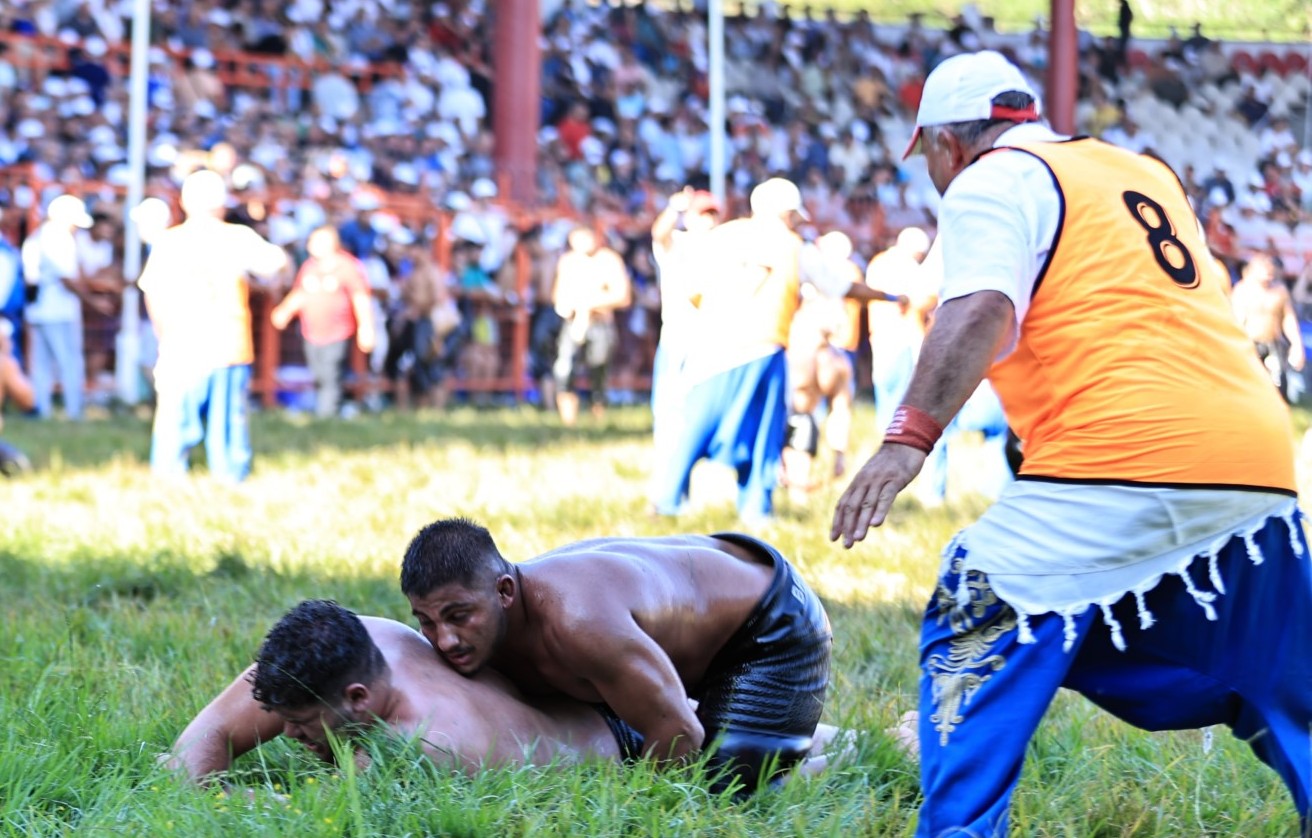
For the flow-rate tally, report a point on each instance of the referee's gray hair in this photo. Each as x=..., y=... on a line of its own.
x=969, y=133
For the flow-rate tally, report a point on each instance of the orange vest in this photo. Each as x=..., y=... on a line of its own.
x=1129, y=366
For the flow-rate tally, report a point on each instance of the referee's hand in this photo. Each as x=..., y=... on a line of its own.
x=870, y=495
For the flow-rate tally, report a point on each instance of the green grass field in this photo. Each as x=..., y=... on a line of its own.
x=127, y=604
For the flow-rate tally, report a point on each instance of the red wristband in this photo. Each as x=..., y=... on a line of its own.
x=914, y=427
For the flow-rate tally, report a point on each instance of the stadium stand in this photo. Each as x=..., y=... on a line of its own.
x=376, y=112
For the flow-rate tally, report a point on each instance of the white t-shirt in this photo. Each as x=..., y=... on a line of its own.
x=49, y=257
x=1050, y=547
x=682, y=273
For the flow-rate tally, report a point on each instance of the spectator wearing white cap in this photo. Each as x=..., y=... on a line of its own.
x=52, y=269
x=1149, y=553
x=195, y=284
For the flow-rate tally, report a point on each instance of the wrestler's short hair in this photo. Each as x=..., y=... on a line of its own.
x=453, y=550
x=312, y=654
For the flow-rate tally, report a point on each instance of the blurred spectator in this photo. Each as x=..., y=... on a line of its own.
x=101, y=258
x=1219, y=179
x=1127, y=134
x=542, y=245
x=851, y=154
x=52, y=269
x=88, y=64
x=591, y=283
x=1251, y=107
x=1301, y=177
x=737, y=399
x=331, y=298
x=679, y=247
x=13, y=295
x=358, y=235
x=1277, y=137
x=479, y=296
x=426, y=334
x=897, y=329
x=1265, y=310
x=819, y=370
x=195, y=285
x=484, y=224
x=14, y=389
x=1196, y=43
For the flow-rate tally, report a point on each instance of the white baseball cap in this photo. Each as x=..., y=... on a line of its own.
x=69, y=209
x=777, y=196
x=962, y=89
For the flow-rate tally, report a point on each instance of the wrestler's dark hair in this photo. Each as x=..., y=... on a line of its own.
x=312, y=654
x=970, y=132
x=453, y=550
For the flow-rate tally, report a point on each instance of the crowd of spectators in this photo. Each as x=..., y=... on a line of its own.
x=364, y=107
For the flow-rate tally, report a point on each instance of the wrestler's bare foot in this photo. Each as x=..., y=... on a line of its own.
x=829, y=745
x=906, y=733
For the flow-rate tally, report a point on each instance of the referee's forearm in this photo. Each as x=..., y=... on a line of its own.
x=967, y=334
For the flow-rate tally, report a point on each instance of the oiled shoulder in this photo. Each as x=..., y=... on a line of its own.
x=395, y=638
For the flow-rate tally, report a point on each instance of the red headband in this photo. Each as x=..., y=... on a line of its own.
x=1026, y=114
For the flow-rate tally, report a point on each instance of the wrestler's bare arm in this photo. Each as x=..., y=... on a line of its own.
x=968, y=333
x=229, y=726
x=635, y=677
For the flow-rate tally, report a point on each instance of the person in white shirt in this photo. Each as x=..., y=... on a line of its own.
x=196, y=292
x=52, y=268
x=1150, y=555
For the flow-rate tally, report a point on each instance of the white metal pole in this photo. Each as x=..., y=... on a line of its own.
x=127, y=375
x=715, y=57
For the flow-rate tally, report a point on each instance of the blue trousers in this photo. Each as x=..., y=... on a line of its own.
x=982, y=692
x=214, y=408
x=737, y=417
x=667, y=396
x=57, y=351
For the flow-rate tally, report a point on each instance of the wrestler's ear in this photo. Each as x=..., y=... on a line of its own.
x=507, y=590
x=357, y=696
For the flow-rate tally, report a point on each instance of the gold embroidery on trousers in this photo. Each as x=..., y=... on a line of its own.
x=957, y=676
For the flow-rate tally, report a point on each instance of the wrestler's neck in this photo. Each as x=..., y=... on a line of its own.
x=388, y=703
x=521, y=617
